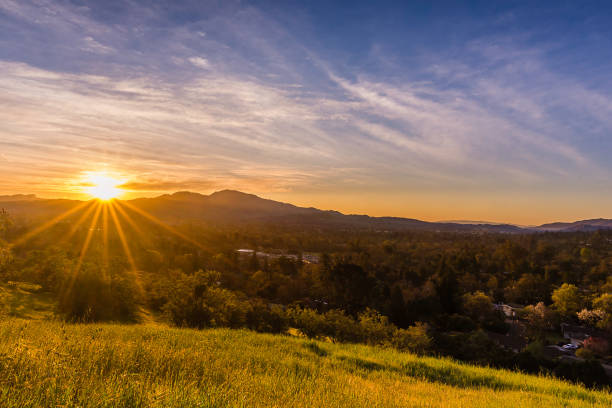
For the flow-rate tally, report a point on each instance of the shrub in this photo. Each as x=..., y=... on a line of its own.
x=342, y=328
x=308, y=322
x=266, y=318
x=375, y=328
x=199, y=306
x=414, y=339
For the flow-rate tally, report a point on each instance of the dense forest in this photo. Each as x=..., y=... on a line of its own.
x=426, y=292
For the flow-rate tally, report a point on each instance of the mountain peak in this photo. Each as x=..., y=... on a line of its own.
x=186, y=194
x=231, y=193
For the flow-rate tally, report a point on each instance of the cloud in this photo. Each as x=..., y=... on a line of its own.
x=151, y=185
x=94, y=46
x=199, y=62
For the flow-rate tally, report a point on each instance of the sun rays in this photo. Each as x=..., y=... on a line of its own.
x=103, y=219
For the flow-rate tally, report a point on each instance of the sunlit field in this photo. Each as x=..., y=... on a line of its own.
x=48, y=364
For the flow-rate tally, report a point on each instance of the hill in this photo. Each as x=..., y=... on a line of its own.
x=584, y=225
x=47, y=363
x=234, y=207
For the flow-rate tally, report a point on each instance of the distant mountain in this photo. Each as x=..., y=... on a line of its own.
x=234, y=207
x=475, y=222
x=230, y=206
x=584, y=225
x=18, y=197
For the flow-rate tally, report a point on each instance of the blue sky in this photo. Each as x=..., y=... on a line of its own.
x=433, y=110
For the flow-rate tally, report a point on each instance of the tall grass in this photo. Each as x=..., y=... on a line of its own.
x=49, y=364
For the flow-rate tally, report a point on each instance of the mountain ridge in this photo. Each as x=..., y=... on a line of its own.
x=232, y=206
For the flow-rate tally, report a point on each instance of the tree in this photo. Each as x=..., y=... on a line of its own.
x=351, y=286
x=528, y=289
x=397, y=307
x=567, y=300
x=478, y=306
x=596, y=345
x=446, y=287
x=540, y=318
x=603, y=303
x=591, y=317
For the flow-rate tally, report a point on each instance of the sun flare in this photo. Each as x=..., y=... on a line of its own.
x=102, y=186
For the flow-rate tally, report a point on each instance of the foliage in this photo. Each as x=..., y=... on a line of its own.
x=375, y=328
x=567, y=300
x=414, y=339
x=591, y=317
x=597, y=345
x=540, y=318
x=603, y=304
x=478, y=306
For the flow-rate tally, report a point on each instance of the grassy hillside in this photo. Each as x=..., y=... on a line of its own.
x=45, y=363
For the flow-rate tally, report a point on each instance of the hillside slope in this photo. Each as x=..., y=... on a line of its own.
x=47, y=363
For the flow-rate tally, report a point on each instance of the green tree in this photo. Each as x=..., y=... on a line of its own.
x=567, y=300
x=478, y=306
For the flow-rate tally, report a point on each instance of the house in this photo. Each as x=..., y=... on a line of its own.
x=510, y=310
x=578, y=334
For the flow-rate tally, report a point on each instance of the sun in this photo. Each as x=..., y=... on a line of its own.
x=102, y=186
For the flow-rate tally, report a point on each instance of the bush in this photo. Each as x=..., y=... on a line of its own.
x=370, y=327
x=263, y=318
x=342, y=328
x=198, y=305
x=308, y=322
x=414, y=339
x=375, y=328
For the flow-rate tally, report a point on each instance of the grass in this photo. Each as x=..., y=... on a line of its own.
x=52, y=364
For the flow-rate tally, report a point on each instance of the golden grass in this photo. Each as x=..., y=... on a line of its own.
x=49, y=364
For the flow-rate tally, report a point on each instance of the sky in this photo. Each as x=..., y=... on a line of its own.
x=497, y=111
